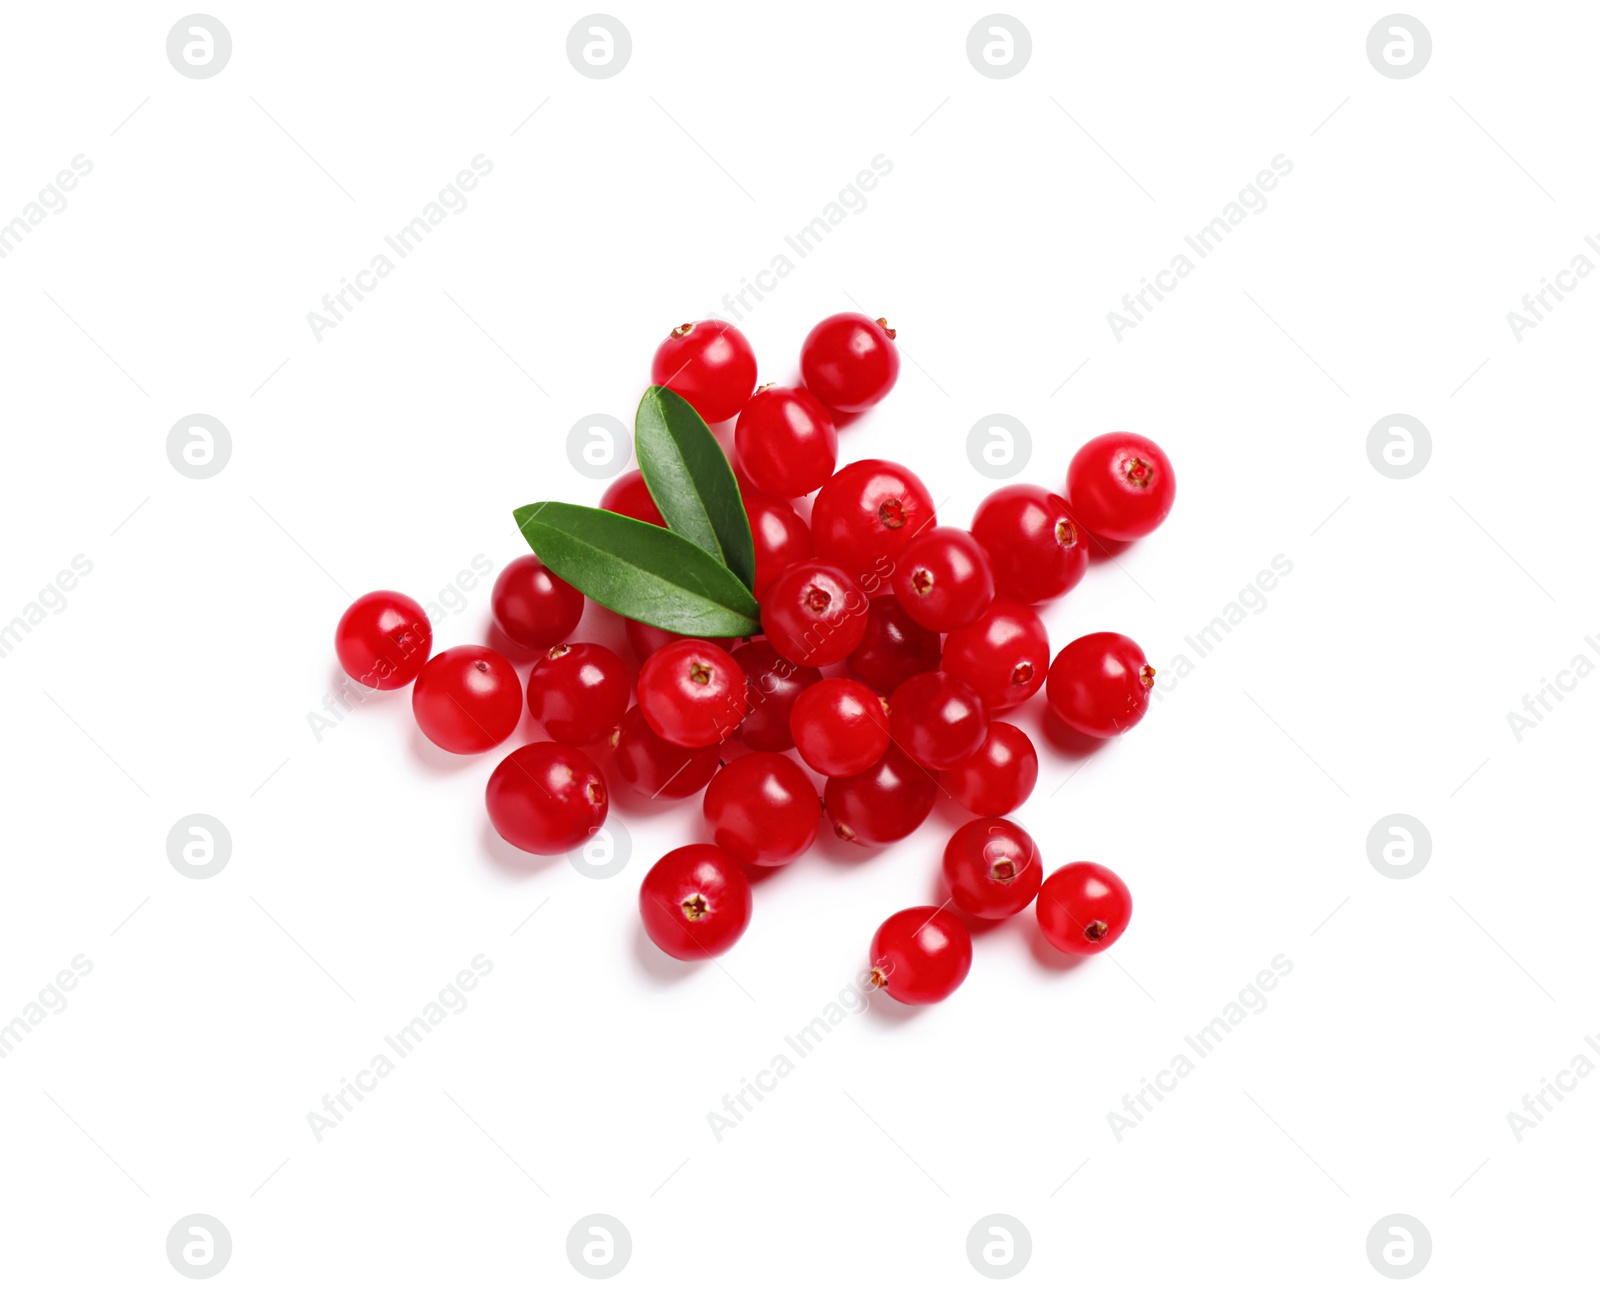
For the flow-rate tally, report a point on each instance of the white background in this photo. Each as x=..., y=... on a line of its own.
x=390, y=453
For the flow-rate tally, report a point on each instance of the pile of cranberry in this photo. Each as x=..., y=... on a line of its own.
x=927, y=633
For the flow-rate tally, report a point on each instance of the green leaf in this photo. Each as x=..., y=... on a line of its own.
x=639, y=570
x=691, y=481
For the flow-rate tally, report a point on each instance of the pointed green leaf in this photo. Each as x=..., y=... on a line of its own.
x=691, y=481
x=639, y=570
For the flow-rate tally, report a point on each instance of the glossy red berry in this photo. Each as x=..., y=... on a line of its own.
x=645, y=640
x=467, y=699
x=692, y=693
x=1121, y=486
x=1083, y=908
x=943, y=580
x=655, y=767
x=773, y=686
x=762, y=809
x=840, y=726
x=937, y=719
x=999, y=777
x=695, y=902
x=1100, y=684
x=887, y=802
x=893, y=648
x=547, y=798
x=813, y=615
x=578, y=692
x=534, y=607
x=866, y=514
x=710, y=364
x=781, y=539
x=786, y=441
x=1036, y=550
x=921, y=955
x=383, y=639
x=850, y=362
x=992, y=867
x=629, y=496
x=1004, y=654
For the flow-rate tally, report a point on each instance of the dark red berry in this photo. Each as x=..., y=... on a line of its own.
x=1036, y=550
x=893, y=648
x=937, y=719
x=786, y=441
x=533, y=606
x=710, y=364
x=692, y=693
x=887, y=802
x=578, y=692
x=1083, y=908
x=781, y=539
x=1121, y=486
x=1100, y=684
x=865, y=515
x=813, y=615
x=992, y=867
x=840, y=726
x=921, y=955
x=774, y=685
x=467, y=699
x=1004, y=654
x=999, y=777
x=655, y=767
x=695, y=902
x=942, y=579
x=547, y=798
x=850, y=362
x=629, y=496
x=762, y=809
x=383, y=639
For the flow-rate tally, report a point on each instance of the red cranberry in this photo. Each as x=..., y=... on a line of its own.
x=840, y=726
x=786, y=441
x=999, y=777
x=655, y=767
x=629, y=496
x=383, y=640
x=692, y=693
x=938, y=719
x=921, y=955
x=1083, y=908
x=813, y=615
x=578, y=692
x=695, y=902
x=1036, y=551
x=533, y=606
x=1100, y=684
x=893, y=648
x=773, y=686
x=547, y=798
x=850, y=362
x=1004, y=654
x=887, y=802
x=992, y=868
x=866, y=514
x=762, y=809
x=1121, y=486
x=710, y=364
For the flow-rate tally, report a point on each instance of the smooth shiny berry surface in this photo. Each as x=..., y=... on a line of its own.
x=841, y=727
x=1083, y=908
x=850, y=362
x=578, y=692
x=692, y=693
x=547, y=798
x=998, y=777
x=893, y=647
x=943, y=580
x=1100, y=684
x=710, y=364
x=780, y=537
x=645, y=640
x=1004, y=654
x=655, y=767
x=629, y=496
x=813, y=615
x=786, y=441
x=534, y=607
x=762, y=809
x=1121, y=486
x=695, y=902
x=937, y=719
x=383, y=639
x=865, y=515
x=886, y=803
x=1036, y=550
x=992, y=867
x=921, y=955
x=467, y=699
x=774, y=684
